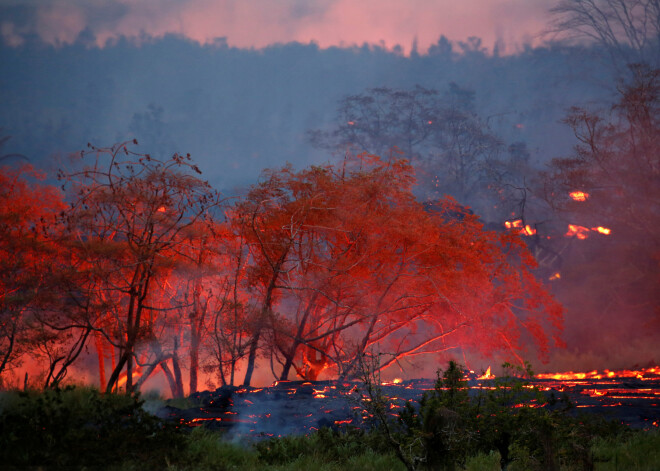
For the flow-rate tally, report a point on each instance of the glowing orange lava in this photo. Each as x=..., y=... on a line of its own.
x=643, y=373
x=580, y=232
x=486, y=375
x=526, y=230
x=579, y=195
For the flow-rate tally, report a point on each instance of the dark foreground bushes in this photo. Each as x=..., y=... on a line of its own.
x=80, y=428
x=512, y=418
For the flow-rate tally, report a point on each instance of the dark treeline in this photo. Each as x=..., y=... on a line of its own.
x=239, y=111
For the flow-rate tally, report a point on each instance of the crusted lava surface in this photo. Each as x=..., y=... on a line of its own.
x=297, y=407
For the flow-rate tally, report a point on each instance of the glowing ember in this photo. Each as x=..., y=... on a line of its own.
x=397, y=380
x=555, y=276
x=602, y=230
x=579, y=195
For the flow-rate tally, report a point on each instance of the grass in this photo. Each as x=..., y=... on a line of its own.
x=639, y=451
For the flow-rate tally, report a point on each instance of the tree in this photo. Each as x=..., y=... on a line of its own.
x=629, y=30
x=608, y=190
x=128, y=213
x=344, y=259
x=230, y=307
x=451, y=147
x=27, y=214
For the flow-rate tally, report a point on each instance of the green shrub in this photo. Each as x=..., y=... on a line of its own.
x=638, y=451
x=75, y=427
x=453, y=423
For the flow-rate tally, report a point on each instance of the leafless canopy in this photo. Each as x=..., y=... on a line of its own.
x=628, y=29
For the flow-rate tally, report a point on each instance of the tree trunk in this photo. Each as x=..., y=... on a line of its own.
x=251, y=358
x=194, y=363
x=98, y=341
x=177, y=368
x=268, y=301
x=170, y=378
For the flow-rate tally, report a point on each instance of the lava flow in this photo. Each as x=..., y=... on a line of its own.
x=296, y=407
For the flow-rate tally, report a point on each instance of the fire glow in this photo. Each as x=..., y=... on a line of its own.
x=525, y=230
x=630, y=395
x=582, y=232
x=642, y=374
x=579, y=195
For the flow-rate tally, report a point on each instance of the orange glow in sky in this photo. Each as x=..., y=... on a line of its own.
x=260, y=23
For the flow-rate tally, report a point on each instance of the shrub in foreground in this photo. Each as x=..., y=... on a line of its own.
x=453, y=423
x=78, y=427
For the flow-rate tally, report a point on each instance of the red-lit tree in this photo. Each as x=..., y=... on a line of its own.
x=129, y=212
x=345, y=259
x=27, y=213
x=231, y=310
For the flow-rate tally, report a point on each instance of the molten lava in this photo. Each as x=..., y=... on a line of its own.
x=582, y=232
x=642, y=374
x=486, y=375
x=602, y=230
x=525, y=230
x=579, y=195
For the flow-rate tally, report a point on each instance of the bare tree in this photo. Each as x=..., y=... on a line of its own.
x=629, y=30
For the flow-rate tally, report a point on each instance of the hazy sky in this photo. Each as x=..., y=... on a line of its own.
x=258, y=23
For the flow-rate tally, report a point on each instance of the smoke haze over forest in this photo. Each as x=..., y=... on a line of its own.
x=240, y=86
x=261, y=23
x=238, y=111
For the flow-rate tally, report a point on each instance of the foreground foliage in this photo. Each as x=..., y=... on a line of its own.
x=453, y=422
x=82, y=428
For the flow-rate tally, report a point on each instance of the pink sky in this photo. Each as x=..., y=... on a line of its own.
x=259, y=23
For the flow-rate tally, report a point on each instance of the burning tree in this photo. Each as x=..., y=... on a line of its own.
x=129, y=213
x=343, y=259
